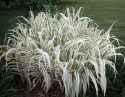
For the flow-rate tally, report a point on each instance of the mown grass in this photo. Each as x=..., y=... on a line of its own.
x=8, y=18
x=103, y=12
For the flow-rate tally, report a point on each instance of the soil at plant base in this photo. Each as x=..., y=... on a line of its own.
x=38, y=91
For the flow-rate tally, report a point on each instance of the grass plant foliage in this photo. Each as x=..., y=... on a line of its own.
x=64, y=47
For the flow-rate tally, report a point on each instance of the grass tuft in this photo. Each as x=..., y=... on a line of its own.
x=64, y=47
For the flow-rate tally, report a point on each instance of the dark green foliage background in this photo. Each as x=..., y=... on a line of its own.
x=36, y=4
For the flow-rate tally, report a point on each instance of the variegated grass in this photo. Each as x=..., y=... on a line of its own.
x=64, y=47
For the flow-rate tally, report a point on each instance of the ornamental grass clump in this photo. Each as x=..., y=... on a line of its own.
x=64, y=47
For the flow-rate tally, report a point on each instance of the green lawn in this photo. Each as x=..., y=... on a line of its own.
x=8, y=18
x=103, y=12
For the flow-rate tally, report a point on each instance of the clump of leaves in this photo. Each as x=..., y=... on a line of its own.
x=6, y=90
x=115, y=87
x=66, y=48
